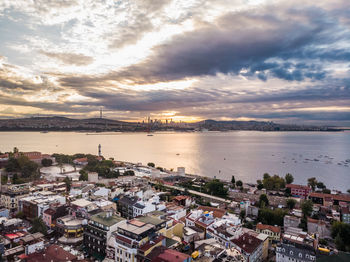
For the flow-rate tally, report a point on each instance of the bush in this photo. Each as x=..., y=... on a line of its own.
x=46, y=162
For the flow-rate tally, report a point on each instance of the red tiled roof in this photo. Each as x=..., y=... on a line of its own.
x=171, y=255
x=148, y=245
x=217, y=212
x=52, y=253
x=124, y=239
x=298, y=186
x=179, y=198
x=274, y=229
x=49, y=211
x=342, y=197
x=247, y=242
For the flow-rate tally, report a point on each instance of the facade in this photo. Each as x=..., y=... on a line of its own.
x=98, y=231
x=125, y=206
x=249, y=246
x=288, y=253
x=329, y=199
x=71, y=229
x=291, y=221
x=345, y=215
x=299, y=190
x=318, y=227
x=274, y=232
x=11, y=194
x=130, y=236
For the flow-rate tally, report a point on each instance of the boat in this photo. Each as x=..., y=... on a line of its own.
x=149, y=135
x=44, y=132
x=177, y=154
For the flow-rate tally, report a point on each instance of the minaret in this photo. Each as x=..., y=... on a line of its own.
x=99, y=150
x=101, y=112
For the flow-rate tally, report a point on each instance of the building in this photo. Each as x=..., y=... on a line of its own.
x=71, y=229
x=129, y=237
x=35, y=205
x=291, y=221
x=11, y=194
x=125, y=206
x=249, y=246
x=319, y=227
x=287, y=253
x=274, y=232
x=51, y=253
x=98, y=231
x=299, y=190
x=323, y=199
x=163, y=254
x=345, y=215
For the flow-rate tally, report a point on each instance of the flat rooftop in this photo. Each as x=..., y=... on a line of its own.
x=136, y=227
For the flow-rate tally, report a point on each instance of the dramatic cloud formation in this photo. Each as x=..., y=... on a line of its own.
x=191, y=60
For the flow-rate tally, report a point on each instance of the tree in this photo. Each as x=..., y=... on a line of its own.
x=68, y=183
x=242, y=214
x=263, y=201
x=289, y=178
x=273, y=182
x=341, y=232
x=320, y=185
x=291, y=203
x=233, y=180
x=260, y=184
x=312, y=182
x=38, y=225
x=46, y=162
x=239, y=183
x=15, y=150
x=306, y=208
x=271, y=217
x=326, y=191
x=216, y=187
x=348, y=191
x=150, y=164
x=266, y=176
x=83, y=175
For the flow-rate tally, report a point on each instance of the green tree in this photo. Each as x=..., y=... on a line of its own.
x=239, y=183
x=242, y=214
x=260, y=184
x=271, y=217
x=15, y=150
x=320, y=185
x=263, y=201
x=340, y=232
x=266, y=176
x=306, y=208
x=348, y=191
x=150, y=164
x=83, y=175
x=273, y=182
x=289, y=178
x=291, y=203
x=326, y=191
x=216, y=187
x=46, y=162
x=233, y=180
x=68, y=183
x=38, y=225
x=312, y=182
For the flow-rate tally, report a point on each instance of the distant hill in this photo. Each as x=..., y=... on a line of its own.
x=58, y=123
x=214, y=125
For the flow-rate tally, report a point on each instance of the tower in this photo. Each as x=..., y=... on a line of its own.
x=101, y=112
x=99, y=150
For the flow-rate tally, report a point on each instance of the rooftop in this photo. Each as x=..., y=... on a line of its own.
x=136, y=227
x=106, y=220
x=151, y=220
x=247, y=242
x=81, y=202
x=217, y=212
x=274, y=229
x=298, y=186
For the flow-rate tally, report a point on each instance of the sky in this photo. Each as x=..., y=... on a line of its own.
x=189, y=60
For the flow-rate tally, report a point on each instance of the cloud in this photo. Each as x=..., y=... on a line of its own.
x=70, y=58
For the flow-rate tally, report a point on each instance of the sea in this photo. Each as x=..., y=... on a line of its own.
x=247, y=155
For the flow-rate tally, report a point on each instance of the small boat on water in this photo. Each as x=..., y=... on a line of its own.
x=177, y=154
x=149, y=135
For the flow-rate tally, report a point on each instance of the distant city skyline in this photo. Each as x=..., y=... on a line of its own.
x=191, y=60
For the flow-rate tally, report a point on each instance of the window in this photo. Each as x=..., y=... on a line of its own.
x=300, y=255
